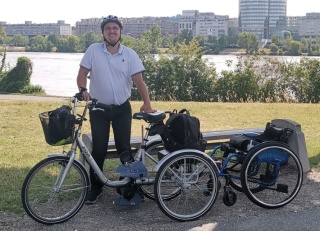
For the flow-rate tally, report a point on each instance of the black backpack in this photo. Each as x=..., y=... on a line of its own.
x=183, y=132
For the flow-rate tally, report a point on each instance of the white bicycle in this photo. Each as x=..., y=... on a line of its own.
x=184, y=183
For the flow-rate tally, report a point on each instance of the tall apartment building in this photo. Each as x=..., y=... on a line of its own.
x=262, y=17
x=310, y=25
x=293, y=25
x=203, y=24
x=33, y=29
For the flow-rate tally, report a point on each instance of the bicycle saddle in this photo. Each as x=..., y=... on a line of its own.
x=150, y=117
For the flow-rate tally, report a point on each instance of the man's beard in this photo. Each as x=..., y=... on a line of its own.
x=112, y=43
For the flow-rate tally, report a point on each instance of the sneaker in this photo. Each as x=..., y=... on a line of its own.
x=93, y=195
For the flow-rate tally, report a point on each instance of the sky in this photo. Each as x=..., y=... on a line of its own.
x=40, y=11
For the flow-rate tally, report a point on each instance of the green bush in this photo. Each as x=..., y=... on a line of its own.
x=31, y=89
x=18, y=78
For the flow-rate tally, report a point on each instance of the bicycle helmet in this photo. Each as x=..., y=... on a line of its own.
x=111, y=18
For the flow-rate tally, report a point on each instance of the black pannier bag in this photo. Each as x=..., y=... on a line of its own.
x=183, y=132
x=58, y=125
x=244, y=142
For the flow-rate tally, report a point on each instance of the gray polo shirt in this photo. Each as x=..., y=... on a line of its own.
x=111, y=75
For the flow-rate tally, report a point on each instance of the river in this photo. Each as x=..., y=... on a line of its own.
x=56, y=72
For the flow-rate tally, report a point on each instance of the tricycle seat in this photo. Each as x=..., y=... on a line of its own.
x=152, y=117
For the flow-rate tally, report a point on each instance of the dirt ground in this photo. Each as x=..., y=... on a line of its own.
x=104, y=215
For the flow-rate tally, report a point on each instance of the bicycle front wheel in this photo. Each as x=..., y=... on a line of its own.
x=43, y=199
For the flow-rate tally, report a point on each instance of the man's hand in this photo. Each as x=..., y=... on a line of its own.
x=146, y=109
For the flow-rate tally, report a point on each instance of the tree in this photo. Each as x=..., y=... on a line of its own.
x=73, y=44
x=127, y=40
x=240, y=85
x=40, y=43
x=3, y=34
x=274, y=49
x=3, y=61
x=142, y=48
x=212, y=45
x=248, y=41
x=232, y=38
x=295, y=48
x=69, y=44
x=54, y=39
x=184, y=36
x=154, y=38
x=19, y=40
x=89, y=38
x=222, y=41
x=180, y=75
x=276, y=40
x=167, y=41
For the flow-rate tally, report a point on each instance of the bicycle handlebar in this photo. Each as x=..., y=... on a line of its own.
x=91, y=105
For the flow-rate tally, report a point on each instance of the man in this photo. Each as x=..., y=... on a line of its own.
x=113, y=69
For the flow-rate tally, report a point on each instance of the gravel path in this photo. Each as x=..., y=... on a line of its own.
x=33, y=98
x=147, y=216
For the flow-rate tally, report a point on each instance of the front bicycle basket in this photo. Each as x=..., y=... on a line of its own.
x=58, y=126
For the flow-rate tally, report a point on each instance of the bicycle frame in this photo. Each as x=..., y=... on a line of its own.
x=140, y=155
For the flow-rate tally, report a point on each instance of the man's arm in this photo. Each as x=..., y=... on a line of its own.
x=82, y=81
x=143, y=91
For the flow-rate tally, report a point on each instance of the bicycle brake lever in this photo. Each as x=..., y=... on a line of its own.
x=96, y=109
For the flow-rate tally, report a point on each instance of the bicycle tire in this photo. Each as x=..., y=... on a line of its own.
x=271, y=175
x=40, y=197
x=194, y=176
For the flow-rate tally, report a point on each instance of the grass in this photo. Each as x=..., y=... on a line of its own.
x=22, y=142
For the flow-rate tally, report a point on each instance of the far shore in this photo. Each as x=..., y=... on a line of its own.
x=12, y=49
x=228, y=51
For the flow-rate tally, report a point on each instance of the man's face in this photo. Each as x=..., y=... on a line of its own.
x=112, y=32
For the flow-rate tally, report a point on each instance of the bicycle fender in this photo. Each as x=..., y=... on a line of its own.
x=153, y=141
x=184, y=151
x=63, y=155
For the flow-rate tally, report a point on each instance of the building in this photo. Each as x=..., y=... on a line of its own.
x=88, y=25
x=136, y=27
x=293, y=25
x=310, y=26
x=203, y=24
x=262, y=17
x=30, y=29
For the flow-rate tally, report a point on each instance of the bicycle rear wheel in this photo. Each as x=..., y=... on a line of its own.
x=192, y=178
x=271, y=175
x=44, y=201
